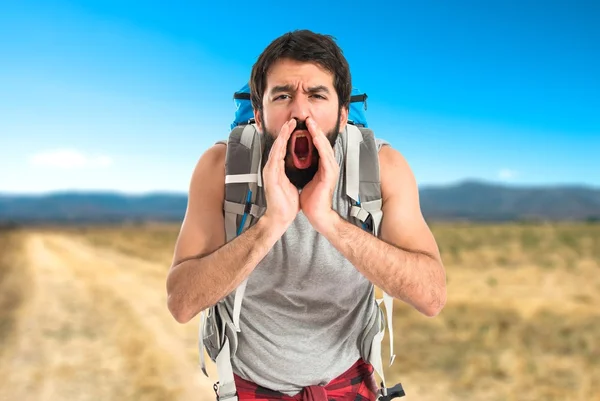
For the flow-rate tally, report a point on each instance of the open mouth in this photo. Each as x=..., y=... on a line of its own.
x=302, y=149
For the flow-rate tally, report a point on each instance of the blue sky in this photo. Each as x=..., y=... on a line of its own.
x=126, y=96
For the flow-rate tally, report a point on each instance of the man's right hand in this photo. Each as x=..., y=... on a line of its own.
x=283, y=203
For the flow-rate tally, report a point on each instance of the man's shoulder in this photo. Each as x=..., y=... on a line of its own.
x=391, y=158
x=210, y=164
x=214, y=153
x=396, y=175
x=381, y=143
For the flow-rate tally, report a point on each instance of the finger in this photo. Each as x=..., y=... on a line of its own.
x=313, y=128
x=321, y=143
x=327, y=159
x=319, y=139
x=284, y=136
x=327, y=167
x=280, y=146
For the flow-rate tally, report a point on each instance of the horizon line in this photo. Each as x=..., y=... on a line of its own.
x=168, y=192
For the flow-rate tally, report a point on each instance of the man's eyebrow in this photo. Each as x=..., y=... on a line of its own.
x=289, y=88
x=318, y=88
x=281, y=88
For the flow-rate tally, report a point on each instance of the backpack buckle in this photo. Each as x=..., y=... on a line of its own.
x=243, y=124
x=393, y=392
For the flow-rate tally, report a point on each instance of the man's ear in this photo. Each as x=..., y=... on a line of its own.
x=258, y=119
x=344, y=117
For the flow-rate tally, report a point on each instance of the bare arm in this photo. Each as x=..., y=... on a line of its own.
x=204, y=268
x=405, y=262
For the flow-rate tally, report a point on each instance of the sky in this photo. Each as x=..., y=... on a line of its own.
x=126, y=95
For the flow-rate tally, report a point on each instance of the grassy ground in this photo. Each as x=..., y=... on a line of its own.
x=521, y=322
x=153, y=242
x=13, y=284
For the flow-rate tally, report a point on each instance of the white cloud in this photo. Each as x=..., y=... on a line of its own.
x=507, y=174
x=68, y=159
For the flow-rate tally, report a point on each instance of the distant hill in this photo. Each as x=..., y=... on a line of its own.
x=479, y=201
x=91, y=207
x=468, y=200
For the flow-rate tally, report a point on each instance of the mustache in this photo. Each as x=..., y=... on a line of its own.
x=300, y=125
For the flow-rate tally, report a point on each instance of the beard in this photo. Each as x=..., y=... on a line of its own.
x=299, y=177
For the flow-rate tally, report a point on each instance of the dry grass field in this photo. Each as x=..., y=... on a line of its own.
x=83, y=317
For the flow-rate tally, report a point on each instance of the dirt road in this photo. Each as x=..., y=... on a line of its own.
x=94, y=326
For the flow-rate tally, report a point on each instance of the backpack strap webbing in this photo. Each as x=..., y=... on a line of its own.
x=226, y=389
x=242, y=178
x=363, y=188
x=242, y=205
x=217, y=327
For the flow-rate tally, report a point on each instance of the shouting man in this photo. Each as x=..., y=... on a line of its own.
x=310, y=272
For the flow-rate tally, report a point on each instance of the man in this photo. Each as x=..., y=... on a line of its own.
x=310, y=272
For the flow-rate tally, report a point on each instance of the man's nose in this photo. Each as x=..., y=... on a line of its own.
x=300, y=109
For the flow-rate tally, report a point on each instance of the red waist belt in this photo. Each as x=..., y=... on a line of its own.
x=356, y=384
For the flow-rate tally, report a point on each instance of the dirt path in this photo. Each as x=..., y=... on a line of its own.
x=95, y=326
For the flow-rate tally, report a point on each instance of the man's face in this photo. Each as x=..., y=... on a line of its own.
x=300, y=90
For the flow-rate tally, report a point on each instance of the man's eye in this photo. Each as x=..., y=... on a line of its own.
x=281, y=97
x=318, y=96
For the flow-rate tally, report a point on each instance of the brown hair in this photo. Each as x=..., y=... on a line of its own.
x=302, y=45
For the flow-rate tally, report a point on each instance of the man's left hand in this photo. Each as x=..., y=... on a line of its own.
x=316, y=197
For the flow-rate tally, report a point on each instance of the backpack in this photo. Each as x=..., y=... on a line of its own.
x=245, y=203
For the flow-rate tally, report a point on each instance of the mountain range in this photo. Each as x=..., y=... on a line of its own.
x=465, y=201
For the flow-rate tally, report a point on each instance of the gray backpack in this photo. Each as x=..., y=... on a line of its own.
x=245, y=203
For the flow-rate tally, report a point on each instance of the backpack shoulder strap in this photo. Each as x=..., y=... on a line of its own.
x=243, y=203
x=362, y=178
x=363, y=188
